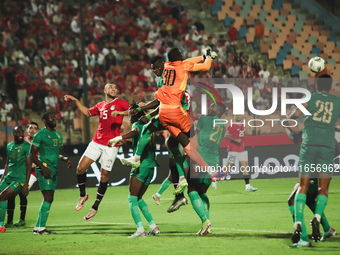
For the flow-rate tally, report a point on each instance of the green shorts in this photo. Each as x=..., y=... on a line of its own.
x=14, y=185
x=316, y=159
x=44, y=183
x=200, y=178
x=143, y=174
x=156, y=122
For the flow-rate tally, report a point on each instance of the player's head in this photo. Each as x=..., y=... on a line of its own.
x=110, y=90
x=324, y=82
x=18, y=134
x=216, y=110
x=134, y=118
x=175, y=55
x=32, y=129
x=49, y=119
x=157, y=65
x=237, y=117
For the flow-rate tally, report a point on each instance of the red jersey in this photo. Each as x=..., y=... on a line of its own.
x=109, y=127
x=33, y=168
x=236, y=131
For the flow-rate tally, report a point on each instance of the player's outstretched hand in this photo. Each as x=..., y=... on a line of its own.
x=208, y=52
x=133, y=112
x=114, y=141
x=69, y=97
x=143, y=119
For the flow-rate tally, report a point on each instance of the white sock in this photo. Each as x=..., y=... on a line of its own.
x=247, y=185
x=318, y=217
x=158, y=195
x=141, y=230
x=296, y=223
x=153, y=226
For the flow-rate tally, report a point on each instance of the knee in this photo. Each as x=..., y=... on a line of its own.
x=104, y=177
x=81, y=169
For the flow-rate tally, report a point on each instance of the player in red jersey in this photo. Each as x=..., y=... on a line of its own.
x=108, y=128
x=235, y=135
x=32, y=129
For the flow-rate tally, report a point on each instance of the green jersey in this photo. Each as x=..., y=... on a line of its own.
x=186, y=97
x=49, y=143
x=319, y=127
x=148, y=158
x=209, y=139
x=17, y=154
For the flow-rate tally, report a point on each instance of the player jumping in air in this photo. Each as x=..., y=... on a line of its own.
x=140, y=177
x=235, y=135
x=317, y=151
x=209, y=138
x=48, y=142
x=32, y=129
x=17, y=172
x=108, y=128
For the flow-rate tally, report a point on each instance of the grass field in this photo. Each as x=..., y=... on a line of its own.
x=242, y=223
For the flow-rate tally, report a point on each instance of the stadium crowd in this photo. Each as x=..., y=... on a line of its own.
x=40, y=56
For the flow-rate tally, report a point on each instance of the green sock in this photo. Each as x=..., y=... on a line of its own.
x=299, y=205
x=206, y=204
x=185, y=164
x=3, y=208
x=44, y=211
x=197, y=204
x=179, y=160
x=134, y=210
x=291, y=209
x=321, y=202
x=145, y=210
x=143, y=141
x=325, y=224
x=164, y=186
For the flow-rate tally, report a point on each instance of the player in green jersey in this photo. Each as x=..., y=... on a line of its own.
x=48, y=143
x=316, y=153
x=140, y=177
x=209, y=138
x=17, y=172
x=177, y=164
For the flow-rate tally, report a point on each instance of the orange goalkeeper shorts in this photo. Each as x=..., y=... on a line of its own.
x=174, y=119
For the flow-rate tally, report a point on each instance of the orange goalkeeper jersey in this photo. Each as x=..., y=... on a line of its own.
x=175, y=77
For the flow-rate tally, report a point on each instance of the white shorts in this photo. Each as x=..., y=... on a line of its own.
x=241, y=156
x=180, y=147
x=32, y=180
x=106, y=155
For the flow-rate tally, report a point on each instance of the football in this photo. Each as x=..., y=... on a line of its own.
x=316, y=64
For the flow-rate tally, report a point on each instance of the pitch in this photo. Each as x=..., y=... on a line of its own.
x=242, y=223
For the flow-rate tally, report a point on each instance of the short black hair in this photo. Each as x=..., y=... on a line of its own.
x=324, y=82
x=175, y=55
x=33, y=123
x=155, y=59
x=221, y=109
x=46, y=115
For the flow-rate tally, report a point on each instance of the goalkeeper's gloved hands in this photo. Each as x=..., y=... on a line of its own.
x=207, y=52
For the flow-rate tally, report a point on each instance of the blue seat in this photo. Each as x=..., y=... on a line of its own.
x=227, y=21
x=277, y=5
x=287, y=47
x=242, y=32
x=333, y=37
x=215, y=9
x=316, y=50
x=280, y=58
x=295, y=70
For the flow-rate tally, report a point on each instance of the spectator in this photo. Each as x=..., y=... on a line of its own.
x=264, y=73
x=51, y=102
x=259, y=32
x=233, y=34
x=38, y=99
x=21, y=82
x=199, y=25
x=234, y=70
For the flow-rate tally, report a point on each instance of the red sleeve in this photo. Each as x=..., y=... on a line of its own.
x=94, y=110
x=229, y=130
x=125, y=105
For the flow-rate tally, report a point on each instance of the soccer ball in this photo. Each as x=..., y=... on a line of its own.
x=316, y=64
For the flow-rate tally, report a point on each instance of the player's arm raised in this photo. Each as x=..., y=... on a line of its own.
x=118, y=139
x=145, y=118
x=151, y=105
x=84, y=110
x=296, y=113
